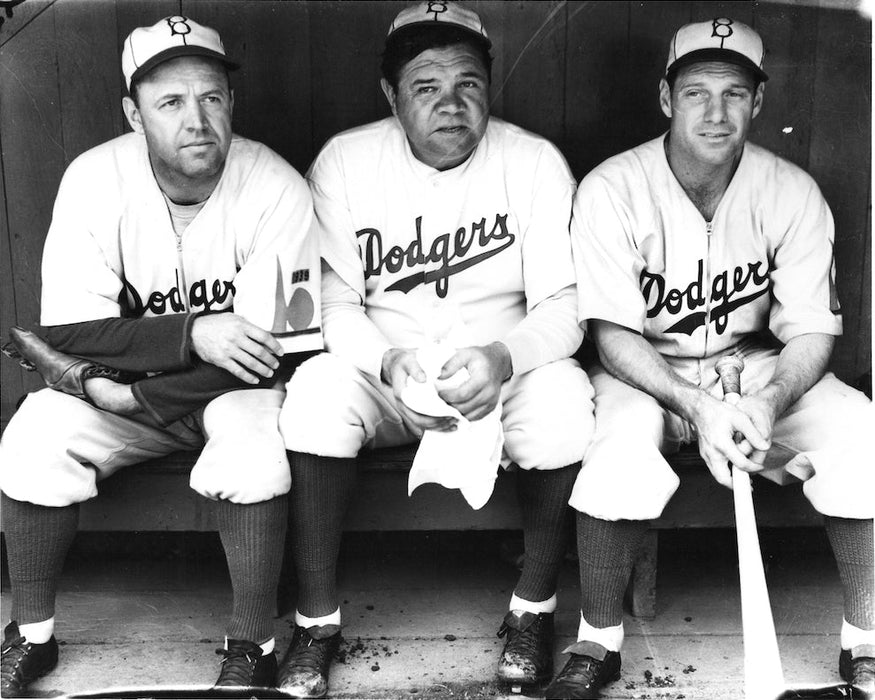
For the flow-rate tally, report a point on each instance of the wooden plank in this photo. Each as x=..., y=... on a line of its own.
x=532, y=86
x=89, y=65
x=597, y=83
x=651, y=27
x=346, y=65
x=784, y=125
x=16, y=18
x=33, y=160
x=11, y=375
x=840, y=161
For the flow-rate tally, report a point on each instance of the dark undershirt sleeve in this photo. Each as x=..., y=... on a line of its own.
x=154, y=344
x=169, y=397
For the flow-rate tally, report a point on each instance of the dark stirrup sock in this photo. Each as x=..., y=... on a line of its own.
x=543, y=496
x=321, y=491
x=607, y=551
x=253, y=535
x=37, y=541
x=851, y=542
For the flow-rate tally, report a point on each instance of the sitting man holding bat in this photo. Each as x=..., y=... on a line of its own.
x=690, y=247
x=151, y=234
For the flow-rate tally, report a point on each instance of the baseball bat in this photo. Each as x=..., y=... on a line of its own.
x=763, y=676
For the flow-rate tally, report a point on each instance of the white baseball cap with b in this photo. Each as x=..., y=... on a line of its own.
x=721, y=39
x=440, y=12
x=171, y=37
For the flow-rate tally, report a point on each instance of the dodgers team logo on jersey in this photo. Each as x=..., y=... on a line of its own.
x=201, y=295
x=730, y=290
x=452, y=253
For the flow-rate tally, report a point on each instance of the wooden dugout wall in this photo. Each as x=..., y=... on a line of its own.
x=583, y=74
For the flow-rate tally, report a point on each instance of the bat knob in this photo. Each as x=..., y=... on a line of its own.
x=729, y=367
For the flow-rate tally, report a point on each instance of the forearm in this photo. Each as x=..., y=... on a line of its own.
x=630, y=357
x=154, y=344
x=801, y=364
x=549, y=332
x=169, y=397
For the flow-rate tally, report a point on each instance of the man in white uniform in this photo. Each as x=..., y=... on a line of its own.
x=152, y=233
x=438, y=212
x=690, y=247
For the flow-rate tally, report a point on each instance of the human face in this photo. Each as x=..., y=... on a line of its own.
x=711, y=108
x=184, y=111
x=442, y=102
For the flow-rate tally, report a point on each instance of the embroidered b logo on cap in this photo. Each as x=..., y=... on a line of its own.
x=442, y=12
x=720, y=39
x=171, y=37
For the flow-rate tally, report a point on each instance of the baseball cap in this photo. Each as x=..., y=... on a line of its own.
x=171, y=37
x=721, y=39
x=442, y=12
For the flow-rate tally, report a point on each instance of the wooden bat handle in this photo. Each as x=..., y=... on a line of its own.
x=763, y=675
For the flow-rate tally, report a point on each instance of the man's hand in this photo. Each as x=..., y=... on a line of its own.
x=763, y=413
x=489, y=366
x=231, y=342
x=398, y=364
x=717, y=424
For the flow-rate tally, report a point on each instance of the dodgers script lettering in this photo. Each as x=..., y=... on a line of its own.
x=452, y=252
x=724, y=299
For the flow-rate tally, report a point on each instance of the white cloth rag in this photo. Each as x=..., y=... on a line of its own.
x=466, y=458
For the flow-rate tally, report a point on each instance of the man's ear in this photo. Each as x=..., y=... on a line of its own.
x=389, y=92
x=132, y=112
x=758, y=99
x=665, y=97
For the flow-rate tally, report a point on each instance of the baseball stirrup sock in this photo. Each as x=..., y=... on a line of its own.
x=37, y=541
x=852, y=544
x=607, y=551
x=543, y=496
x=321, y=491
x=253, y=535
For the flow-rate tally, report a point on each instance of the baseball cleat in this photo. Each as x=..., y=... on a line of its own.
x=245, y=665
x=22, y=663
x=583, y=675
x=857, y=669
x=527, y=658
x=303, y=672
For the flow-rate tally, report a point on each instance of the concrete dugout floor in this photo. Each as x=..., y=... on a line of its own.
x=421, y=612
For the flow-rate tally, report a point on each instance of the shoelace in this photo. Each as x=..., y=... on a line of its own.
x=581, y=669
x=13, y=652
x=238, y=666
x=522, y=642
x=311, y=653
x=863, y=671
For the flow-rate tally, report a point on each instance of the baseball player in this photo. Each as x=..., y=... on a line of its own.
x=437, y=212
x=151, y=233
x=690, y=247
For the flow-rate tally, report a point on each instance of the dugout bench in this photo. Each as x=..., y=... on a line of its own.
x=155, y=497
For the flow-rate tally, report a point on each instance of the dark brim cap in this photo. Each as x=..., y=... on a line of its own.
x=442, y=14
x=171, y=37
x=722, y=39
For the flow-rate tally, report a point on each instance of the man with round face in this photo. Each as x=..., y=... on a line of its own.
x=442, y=230
x=152, y=234
x=688, y=248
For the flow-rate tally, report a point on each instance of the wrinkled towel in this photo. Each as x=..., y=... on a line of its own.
x=467, y=458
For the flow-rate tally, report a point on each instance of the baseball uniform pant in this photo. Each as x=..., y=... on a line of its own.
x=819, y=440
x=57, y=447
x=334, y=410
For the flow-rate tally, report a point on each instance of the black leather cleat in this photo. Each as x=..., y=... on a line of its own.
x=60, y=371
x=22, y=663
x=857, y=669
x=245, y=665
x=589, y=669
x=303, y=672
x=527, y=658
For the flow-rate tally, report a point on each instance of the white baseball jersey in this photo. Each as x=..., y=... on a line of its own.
x=404, y=241
x=111, y=249
x=646, y=259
